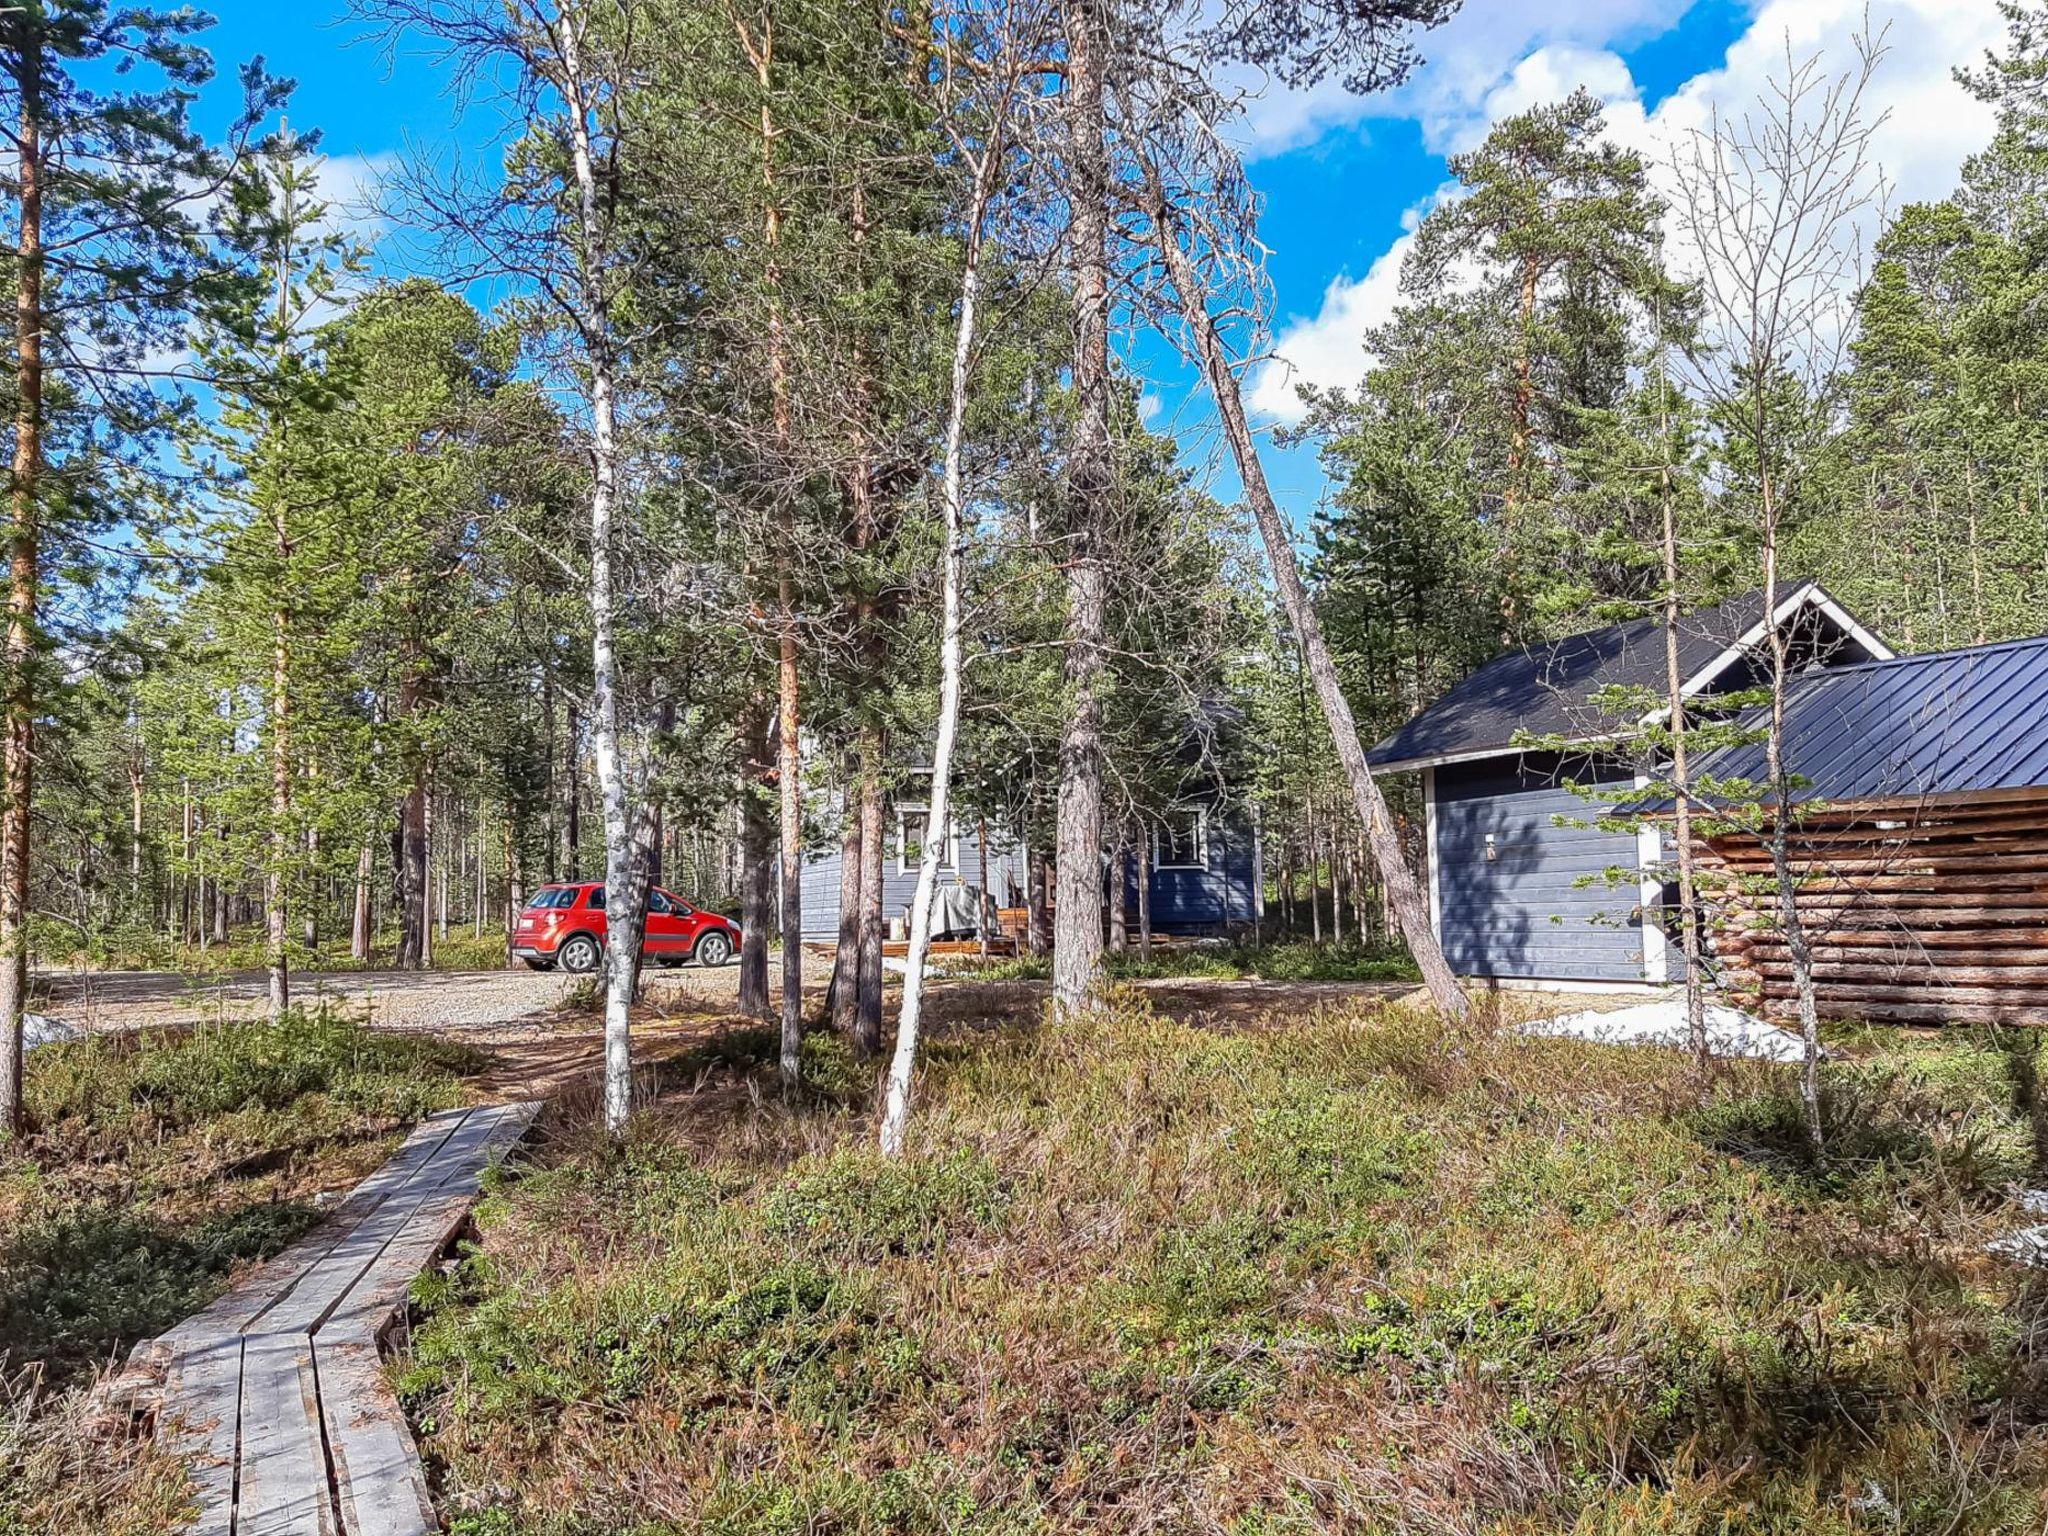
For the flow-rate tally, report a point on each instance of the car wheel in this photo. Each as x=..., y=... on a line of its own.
x=714, y=949
x=580, y=954
x=540, y=965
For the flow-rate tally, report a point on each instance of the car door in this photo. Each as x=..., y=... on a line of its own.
x=668, y=926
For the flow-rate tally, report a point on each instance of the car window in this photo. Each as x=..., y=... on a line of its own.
x=656, y=902
x=674, y=905
x=597, y=898
x=559, y=896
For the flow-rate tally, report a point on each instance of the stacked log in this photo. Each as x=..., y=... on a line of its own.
x=1917, y=911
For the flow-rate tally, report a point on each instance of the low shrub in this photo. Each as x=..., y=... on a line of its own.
x=1367, y=1271
x=155, y=1163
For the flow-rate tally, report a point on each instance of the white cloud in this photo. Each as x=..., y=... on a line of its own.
x=1932, y=124
x=1328, y=349
x=1465, y=59
x=352, y=186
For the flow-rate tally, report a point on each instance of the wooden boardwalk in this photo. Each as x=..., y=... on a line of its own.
x=275, y=1393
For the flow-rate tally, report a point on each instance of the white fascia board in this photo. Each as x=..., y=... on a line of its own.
x=1650, y=893
x=1481, y=754
x=1807, y=592
x=1436, y=887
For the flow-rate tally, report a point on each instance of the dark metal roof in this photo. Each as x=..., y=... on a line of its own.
x=1943, y=723
x=1547, y=689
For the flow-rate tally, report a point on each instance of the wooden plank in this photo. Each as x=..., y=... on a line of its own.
x=283, y=1488
x=379, y=1485
x=383, y=1286
x=261, y=1288
x=323, y=1285
x=201, y=1421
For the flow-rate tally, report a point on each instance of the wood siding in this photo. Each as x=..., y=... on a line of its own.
x=1918, y=912
x=1535, y=903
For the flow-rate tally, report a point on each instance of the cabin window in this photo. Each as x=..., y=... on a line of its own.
x=1181, y=840
x=913, y=835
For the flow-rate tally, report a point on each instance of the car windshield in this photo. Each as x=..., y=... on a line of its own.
x=560, y=896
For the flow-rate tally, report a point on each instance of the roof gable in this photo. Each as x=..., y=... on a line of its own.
x=1548, y=690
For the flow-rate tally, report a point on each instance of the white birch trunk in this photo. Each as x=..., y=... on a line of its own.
x=622, y=917
x=903, y=1064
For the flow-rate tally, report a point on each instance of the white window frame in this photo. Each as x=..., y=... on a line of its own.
x=1201, y=859
x=949, y=864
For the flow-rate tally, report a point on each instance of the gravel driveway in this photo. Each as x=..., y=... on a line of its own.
x=469, y=1002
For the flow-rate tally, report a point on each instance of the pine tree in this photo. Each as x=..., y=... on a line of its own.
x=109, y=186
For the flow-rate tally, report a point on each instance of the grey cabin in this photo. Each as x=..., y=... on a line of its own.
x=1515, y=897
x=1205, y=863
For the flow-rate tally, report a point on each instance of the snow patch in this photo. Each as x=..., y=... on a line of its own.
x=1730, y=1031
x=2027, y=1245
x=40, y=1029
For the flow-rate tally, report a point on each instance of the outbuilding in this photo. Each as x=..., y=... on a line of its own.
x=1521, y=887
x=1919, y=843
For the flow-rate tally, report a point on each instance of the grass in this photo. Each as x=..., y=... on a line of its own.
x=1361, y=1272
x=146, y=949
x=153, y=1167
x=1293, y=961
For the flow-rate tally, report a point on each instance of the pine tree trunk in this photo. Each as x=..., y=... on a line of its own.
x=789, y=787
x=985, y=908
x=1277, y=535
x=359, y=926
x=186, y=852
x=757, y=894
x=1119, y=914
x=427, y=809
x=135, y=781
x=1037, y=917
x=1077, y=941
x=23, y=574
x=1315, y=872
x=1145, y=895
x=221, y=894
x=867, y=1037
x=550, y=831
x=845, y=988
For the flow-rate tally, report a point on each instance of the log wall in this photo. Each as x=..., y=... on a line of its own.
x=1918, y=912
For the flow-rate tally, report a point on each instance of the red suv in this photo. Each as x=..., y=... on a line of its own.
x=564, y=925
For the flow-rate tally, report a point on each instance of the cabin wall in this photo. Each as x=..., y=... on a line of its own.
x=1221, y=895
x=1515, y=908
x=1918, y=912
x=899, y=885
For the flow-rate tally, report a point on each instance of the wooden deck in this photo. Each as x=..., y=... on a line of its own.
x=275, y=1392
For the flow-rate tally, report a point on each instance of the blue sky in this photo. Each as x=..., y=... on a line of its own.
x=1343, y=179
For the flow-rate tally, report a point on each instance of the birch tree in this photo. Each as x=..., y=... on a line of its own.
x=982, y=142
x=1769, y=202
x=556, y=224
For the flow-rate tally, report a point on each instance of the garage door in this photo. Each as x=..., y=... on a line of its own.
x=1523, y=897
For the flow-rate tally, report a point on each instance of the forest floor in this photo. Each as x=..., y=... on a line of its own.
x=1339, y=1265
x=158, y=1164
x=1257, y=1258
